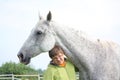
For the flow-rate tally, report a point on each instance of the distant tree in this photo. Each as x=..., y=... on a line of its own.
x=40, y=71
x=19, y=69
x=13, y=68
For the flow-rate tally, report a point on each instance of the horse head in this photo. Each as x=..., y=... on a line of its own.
x=40, y=40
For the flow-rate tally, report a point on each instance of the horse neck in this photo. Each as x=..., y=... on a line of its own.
x=72, y=42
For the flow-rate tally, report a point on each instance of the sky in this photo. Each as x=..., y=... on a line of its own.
x=97, y=18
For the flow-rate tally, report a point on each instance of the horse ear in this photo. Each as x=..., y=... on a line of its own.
x=39, y=16
x=49, y=16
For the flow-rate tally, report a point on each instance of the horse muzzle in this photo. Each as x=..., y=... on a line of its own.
x=23, y=59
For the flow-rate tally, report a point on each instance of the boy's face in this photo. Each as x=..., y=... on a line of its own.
x=58, y=59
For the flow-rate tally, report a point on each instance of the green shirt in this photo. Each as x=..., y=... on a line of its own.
x=55, y=72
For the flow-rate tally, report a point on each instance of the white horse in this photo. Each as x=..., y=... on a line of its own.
x=96, y=59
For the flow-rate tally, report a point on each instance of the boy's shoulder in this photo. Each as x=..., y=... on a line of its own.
x=52, y=67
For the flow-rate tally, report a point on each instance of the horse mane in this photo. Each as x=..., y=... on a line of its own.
x=75, y=32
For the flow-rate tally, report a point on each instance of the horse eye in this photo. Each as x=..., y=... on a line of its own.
x=38, y=32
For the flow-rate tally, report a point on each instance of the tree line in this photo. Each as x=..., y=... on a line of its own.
x=18, y=68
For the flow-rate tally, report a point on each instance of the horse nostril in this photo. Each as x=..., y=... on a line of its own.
x=20, y=56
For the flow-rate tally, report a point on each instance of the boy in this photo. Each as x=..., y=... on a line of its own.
x=59, y=68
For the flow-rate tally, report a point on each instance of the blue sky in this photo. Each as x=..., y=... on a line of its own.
x=98, y=18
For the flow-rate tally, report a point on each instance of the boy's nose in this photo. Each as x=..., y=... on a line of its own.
x=58, y=59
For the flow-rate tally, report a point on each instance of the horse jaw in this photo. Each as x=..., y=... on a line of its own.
x=26, y=54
